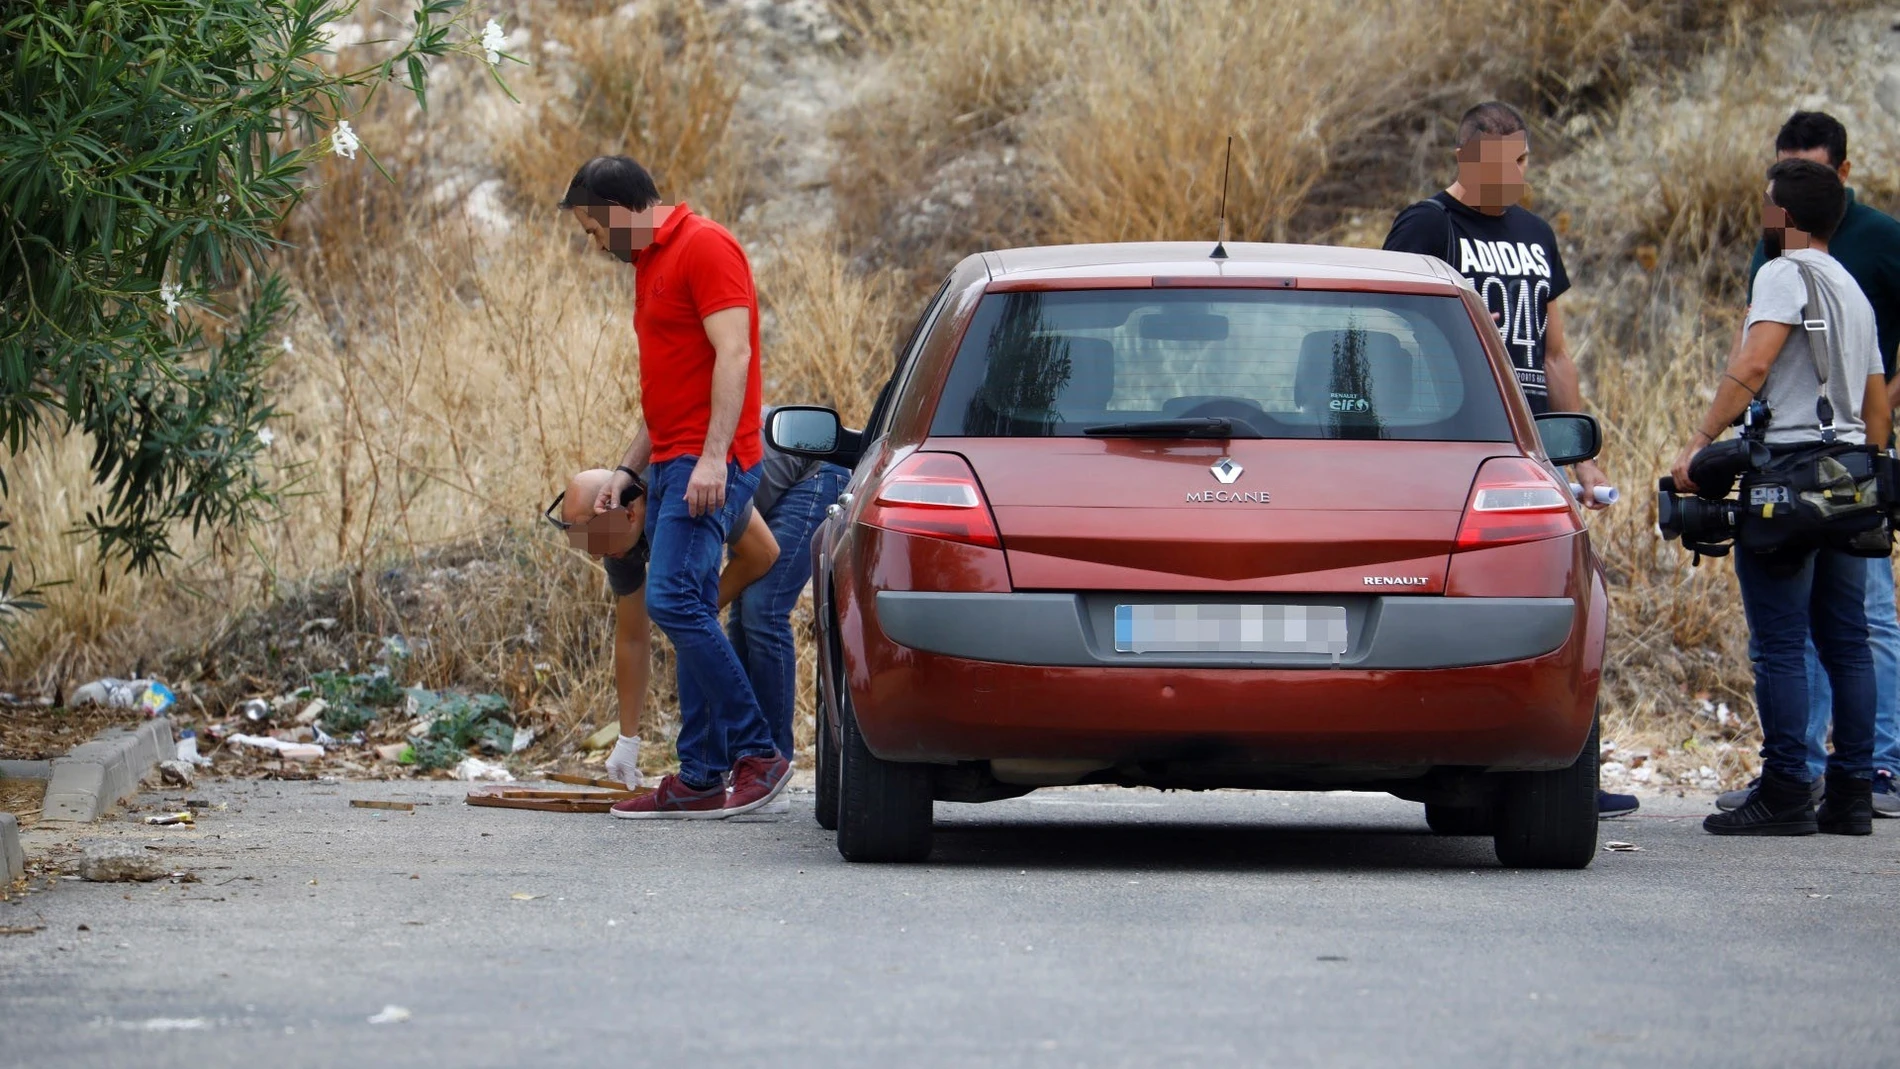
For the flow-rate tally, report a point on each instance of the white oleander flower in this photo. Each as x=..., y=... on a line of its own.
x=169, y=294
x=343, y=140
x=493, y=41
x=266, y=436
x=288, y=348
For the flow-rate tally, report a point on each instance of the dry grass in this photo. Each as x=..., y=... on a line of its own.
x=657, y=86
x=447, y=374
x=998, y=123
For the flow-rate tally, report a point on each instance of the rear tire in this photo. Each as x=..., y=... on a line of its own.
x=884, y=807
x=825, y=766
x=1548, y=820
x=1461, y=820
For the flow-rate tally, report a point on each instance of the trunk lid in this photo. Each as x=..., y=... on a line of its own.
x=1285, y=515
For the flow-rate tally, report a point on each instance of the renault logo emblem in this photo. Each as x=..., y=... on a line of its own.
x=1226, y=470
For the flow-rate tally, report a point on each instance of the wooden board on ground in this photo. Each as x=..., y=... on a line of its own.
x=507, y=796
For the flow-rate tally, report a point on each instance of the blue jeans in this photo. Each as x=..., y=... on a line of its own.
x=760, y=624
x=1826, y=598
x=1885, y=631
x=720, y=721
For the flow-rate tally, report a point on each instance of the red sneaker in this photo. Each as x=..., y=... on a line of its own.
x=756, y=781
x=674, y=800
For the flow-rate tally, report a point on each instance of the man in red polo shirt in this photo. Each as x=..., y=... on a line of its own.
x=696, y=316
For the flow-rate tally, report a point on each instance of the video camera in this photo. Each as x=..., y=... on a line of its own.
x=1707, y=521
x=1828, y=494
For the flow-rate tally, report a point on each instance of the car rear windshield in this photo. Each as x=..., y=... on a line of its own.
x=1288, y=363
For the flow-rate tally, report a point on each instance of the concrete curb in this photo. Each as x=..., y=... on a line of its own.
x=96, y=775
x=12, y=855
x=26, y=769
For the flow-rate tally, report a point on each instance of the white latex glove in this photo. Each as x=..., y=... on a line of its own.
x=623, y=765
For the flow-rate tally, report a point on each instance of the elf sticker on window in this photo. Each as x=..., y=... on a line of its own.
x=1350, y=402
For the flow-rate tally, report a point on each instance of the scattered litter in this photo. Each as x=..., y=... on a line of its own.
x=390, y=1015
x=147, y=694
x=114, y=862
x=183, y=816
x=321, y=623
x=371, y=803
x=605, y=738
x=175, y=773
x=295, y=751
x=474, y=768
x=523, y=896
x=256, y=710
x=312, y=711
x=524, y=738
x=21, y=929
x=1616, y=847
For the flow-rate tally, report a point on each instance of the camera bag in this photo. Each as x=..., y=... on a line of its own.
x=1829, y=494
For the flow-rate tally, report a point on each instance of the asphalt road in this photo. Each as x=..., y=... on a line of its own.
x=1092, y=928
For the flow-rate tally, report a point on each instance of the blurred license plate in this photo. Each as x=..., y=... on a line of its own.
x=1230, y=629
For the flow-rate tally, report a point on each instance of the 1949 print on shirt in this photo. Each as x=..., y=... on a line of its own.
x=1513, y=279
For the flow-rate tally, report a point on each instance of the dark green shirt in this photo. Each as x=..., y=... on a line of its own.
x=1868, y=245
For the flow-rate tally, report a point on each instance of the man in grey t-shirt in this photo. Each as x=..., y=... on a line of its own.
x=1781, y=296
x=1818, y=595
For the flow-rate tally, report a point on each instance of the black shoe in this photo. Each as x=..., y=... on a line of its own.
x=1848, y=808
x=1776, y=807
x=1730, y=801
x=1610, y=806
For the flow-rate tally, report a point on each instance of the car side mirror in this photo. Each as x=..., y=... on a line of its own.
x=1569, y=437
x=804, y=430
x=812, y=431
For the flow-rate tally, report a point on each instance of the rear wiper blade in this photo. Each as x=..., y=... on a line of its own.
x=1193, y=427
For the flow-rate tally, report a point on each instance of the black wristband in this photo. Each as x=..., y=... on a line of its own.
x=634, y=474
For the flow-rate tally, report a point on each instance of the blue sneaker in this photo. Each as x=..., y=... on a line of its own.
x=1610, y=806
x=1886, y=794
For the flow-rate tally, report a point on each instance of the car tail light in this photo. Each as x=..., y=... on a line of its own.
x=1515, y=500
x=934, y=495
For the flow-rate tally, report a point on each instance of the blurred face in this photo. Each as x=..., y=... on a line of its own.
x=1492, y=167
x=607, y=534
x=619, y=231
x=1778, y=232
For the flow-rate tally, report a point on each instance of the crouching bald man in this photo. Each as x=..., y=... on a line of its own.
x=695, y=313
x=1798, y=594
x=617, y=538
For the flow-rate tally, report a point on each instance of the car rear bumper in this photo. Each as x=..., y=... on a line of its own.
x=914, y=703
x=1077, y=631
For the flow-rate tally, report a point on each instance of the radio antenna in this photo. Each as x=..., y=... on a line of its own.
x=1220, y=242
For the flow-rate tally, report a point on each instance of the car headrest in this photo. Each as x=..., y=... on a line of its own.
x=1383, y=375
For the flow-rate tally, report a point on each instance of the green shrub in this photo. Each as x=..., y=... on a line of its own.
x=149, y=152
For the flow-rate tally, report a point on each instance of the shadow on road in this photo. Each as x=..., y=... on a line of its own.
x=1203, y=847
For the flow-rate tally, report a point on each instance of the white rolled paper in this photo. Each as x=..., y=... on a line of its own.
x=1605, y=495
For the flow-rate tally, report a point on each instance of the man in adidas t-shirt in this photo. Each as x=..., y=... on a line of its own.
x=1510, y=256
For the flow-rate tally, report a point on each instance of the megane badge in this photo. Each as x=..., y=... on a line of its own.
x=1226, y=470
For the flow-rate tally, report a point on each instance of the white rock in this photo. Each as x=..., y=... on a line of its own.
x=114, y=862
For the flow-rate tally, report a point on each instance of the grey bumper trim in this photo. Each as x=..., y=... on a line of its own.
x=1077, y=630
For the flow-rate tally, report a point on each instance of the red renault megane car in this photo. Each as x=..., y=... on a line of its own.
x=1132, y=514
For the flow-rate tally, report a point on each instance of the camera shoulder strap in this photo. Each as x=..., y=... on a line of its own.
x=1451, y=233
x=1814, y=322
